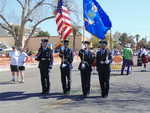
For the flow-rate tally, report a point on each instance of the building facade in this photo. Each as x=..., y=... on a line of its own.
x=34, y=42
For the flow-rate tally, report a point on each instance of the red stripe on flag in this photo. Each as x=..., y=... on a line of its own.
x=65, y=17
x=63, y=21
x=67, y=34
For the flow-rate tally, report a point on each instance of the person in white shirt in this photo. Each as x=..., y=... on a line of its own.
x=14, y=54
x=143, y=55
x=21, y=64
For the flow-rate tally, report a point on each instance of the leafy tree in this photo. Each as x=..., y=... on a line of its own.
x=123, y=39
x=137, y=36
x=95, y=42
x=148, y=45
x=116, y=36
x=141, y=43
x=43, y=34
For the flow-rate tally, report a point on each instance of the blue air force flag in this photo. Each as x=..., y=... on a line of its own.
x=96, y=21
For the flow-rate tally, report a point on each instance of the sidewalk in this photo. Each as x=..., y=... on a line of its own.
x=31, y=63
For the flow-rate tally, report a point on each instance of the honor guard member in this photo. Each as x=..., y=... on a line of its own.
x=66, y=55
x=103, y=61
x=85, y=67
x=45, y=58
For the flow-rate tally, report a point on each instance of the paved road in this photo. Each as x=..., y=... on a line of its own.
x=128, y=94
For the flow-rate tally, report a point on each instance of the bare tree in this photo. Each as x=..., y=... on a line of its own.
x=75, y=32
x=33, y=13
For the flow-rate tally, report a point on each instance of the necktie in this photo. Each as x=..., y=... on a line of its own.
x=102, y=51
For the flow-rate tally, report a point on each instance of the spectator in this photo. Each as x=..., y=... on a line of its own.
x=139, y=59
x=127, y=59
x=14, y=54
x=21, y=64
x=144, y=57
x=115, y=52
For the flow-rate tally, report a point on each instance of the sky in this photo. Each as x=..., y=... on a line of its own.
x=130, y=16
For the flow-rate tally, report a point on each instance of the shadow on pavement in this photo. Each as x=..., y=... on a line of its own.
x=7, y=83
x=141, y=71
x=61, y=96
x=14, y=96
x=124, y=99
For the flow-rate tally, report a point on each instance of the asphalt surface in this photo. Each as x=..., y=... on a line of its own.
x=128, y=94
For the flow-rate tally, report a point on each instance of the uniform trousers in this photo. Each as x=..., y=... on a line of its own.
x=45, y=79
x=85, y=81
x=66, y=79
x=104, y=77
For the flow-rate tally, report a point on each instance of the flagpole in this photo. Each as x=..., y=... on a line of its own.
x=74, y=37
x=110, y=39
x=83, y=36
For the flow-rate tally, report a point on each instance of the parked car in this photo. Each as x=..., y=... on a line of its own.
x=4, y=48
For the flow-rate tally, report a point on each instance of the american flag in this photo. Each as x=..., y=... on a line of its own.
x=63, y=21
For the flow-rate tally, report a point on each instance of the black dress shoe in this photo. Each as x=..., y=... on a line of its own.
x=47, y=92
x=105, y=96
x=43, y=92
x=68, y=92
x=85, y=94
x=64, y=92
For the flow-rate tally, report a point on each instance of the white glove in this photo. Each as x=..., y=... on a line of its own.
x=64, y=65
x=49, y=70
x=82, y=66
x=107, y=62
x=102, y=62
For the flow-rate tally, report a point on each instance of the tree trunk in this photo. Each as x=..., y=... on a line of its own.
x=19, y=41
x=26, y=43
x=21, y=34
x=17, y=44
